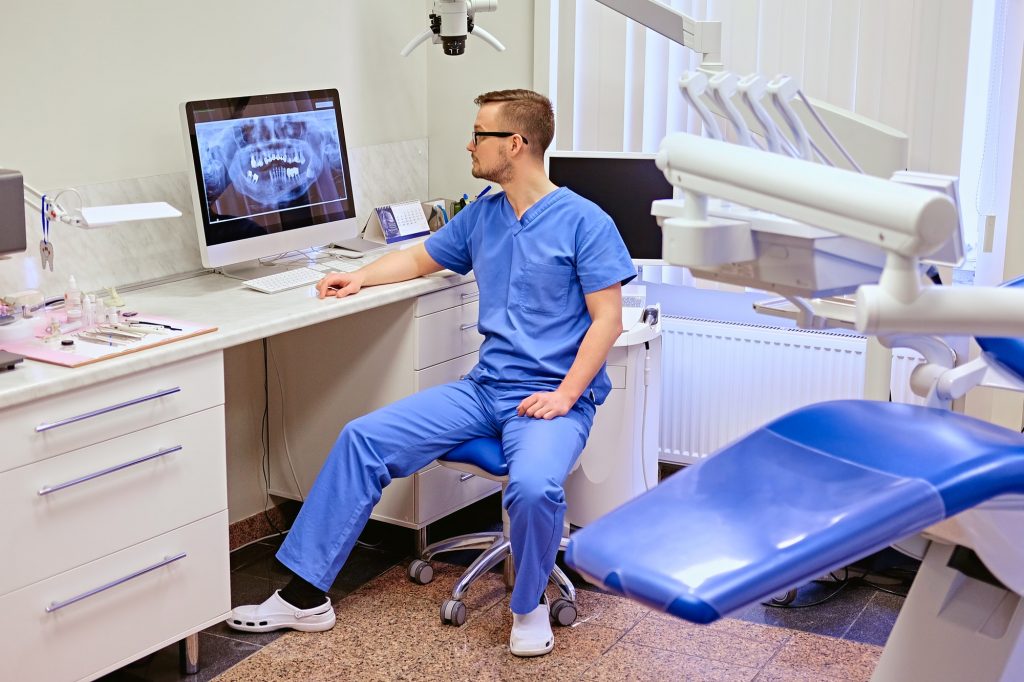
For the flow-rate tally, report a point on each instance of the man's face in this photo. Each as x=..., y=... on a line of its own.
x=490, y=156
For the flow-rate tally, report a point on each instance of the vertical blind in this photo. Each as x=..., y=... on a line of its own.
x=900, y=62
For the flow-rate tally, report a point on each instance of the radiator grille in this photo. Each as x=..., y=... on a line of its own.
x=722, y=380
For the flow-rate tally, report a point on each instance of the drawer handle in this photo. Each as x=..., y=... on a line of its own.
x=47, y=489
x=465, y=477
x=104, y=410
x=55, y=606
x=470, y=297
x=467, y=327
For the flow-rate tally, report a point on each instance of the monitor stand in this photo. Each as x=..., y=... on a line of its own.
x=9, y=360
x=254, y=268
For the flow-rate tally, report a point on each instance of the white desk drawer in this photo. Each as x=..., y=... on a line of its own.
x=70, y=509
x=41, y=429
x=442, y=373
x=447, y=298
x=126, y=620
x=442, y=490
x=447, y=334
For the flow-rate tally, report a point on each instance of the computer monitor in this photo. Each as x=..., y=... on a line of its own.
x=271, y=174
x=12, y=212
x=624, y=185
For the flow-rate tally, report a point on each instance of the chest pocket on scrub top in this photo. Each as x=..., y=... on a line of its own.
x=545, y=288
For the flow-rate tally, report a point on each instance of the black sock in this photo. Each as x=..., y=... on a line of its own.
x=302, y=594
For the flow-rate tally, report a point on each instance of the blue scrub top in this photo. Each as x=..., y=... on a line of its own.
x=533, y=274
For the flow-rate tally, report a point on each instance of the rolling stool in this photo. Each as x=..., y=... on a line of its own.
x=484, y=457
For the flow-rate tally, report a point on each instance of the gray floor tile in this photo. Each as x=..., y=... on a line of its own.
x=877, y=620
x=831, y=619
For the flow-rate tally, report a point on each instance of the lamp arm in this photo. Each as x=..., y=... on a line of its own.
x=704, y=37
x=54, y=211
x=479, y=32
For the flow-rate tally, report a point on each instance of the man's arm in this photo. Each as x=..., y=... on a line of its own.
x=397, y=266
x=605, y=307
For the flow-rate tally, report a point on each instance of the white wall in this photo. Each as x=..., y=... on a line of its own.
x=91, y=89
x=456, y=81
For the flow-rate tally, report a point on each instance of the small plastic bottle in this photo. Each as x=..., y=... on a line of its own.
x=73, y=300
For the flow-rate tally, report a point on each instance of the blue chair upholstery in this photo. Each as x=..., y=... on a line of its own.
x=812, y=491
x=483, y=453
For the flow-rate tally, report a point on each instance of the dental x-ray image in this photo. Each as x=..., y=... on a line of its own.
x=262, y=165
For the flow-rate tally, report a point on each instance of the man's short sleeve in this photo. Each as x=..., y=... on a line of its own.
x=450, y=246
x=601, y=256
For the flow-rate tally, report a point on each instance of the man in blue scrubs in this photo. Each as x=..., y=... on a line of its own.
x=549, y=265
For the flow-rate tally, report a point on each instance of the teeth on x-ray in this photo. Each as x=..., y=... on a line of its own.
x=284, y=152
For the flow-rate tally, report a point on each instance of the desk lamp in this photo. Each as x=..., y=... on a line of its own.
x=87, y=217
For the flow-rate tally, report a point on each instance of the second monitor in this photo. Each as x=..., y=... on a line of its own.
x=624, y=185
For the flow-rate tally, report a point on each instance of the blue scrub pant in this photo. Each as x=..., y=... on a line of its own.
x=402, y=438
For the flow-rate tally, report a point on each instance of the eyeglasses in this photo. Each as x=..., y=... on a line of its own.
x=477, y=134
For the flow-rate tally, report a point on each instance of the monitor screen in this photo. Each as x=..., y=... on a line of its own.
x=271, y=174
x=624, y=185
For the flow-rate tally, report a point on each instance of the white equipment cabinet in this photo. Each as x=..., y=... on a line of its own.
x=621, y=457
x=116, y=528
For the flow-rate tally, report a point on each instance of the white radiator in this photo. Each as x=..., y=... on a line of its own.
x=722, y=380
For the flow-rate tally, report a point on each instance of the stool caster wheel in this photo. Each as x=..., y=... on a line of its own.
x=785, y=599
x=563, y=612
x=420, y=572
x=453, y=612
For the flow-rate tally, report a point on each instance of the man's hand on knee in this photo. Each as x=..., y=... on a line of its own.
x=545, y=405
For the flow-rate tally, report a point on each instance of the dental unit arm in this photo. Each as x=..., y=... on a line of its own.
x=451, y=21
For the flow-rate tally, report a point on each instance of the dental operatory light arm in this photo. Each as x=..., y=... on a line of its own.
x=704, y=37
x=451, y=21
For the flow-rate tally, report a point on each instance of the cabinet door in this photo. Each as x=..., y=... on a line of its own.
x=122, y=610
x=51, y=426
x=447, y=334
x=70, y=509
x=443, y=372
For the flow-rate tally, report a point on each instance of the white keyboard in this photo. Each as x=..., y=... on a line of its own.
x=282, y=281
x=300, y=277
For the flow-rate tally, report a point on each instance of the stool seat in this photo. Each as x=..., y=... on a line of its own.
x=483, y=453
x=485, y=457
x=810, y=492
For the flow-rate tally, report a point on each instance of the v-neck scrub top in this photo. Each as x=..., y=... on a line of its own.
x=533, y=274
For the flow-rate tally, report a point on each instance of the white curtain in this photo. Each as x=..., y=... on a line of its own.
x=900, y=62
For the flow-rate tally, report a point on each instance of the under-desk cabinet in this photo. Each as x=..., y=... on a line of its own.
x=324, y=376
x=115, y=528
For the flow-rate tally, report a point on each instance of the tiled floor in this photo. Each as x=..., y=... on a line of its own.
x=388, y=629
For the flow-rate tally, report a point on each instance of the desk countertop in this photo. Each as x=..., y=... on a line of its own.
x=240, y=314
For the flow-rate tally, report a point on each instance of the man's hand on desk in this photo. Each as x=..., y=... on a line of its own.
x=340, y=284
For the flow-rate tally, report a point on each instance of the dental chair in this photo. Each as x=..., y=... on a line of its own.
x=828, y=484
x=484, y=457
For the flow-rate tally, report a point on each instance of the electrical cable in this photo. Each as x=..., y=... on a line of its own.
x=284, y=428
x=643, y=417
x=847, y=581
x=265, y=441
x=828, y=131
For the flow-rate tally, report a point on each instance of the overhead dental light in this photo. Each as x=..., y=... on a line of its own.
x=451, y=21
